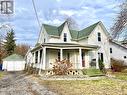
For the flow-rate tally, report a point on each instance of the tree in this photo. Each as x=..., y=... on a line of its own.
x=72, y=23
x=2, y=53
x=121, y=22
x=9, y=43
x=22, y=49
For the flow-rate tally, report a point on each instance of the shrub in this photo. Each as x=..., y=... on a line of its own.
x=117, y=65
x=101, y=65
x=62, y=67
x=92, y=72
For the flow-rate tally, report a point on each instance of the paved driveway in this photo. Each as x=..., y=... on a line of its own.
x=18, y=83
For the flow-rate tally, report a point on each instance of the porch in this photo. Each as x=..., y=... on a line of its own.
x=80, y=56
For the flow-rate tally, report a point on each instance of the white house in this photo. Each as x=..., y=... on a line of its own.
x=13, y=62
x=82, y=48
x=118, y=51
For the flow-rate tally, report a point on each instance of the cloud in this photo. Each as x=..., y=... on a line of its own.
x=54, y=12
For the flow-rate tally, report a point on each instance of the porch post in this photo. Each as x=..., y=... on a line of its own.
x=41, y=63
x=97, y=64
x=87, y=59
x=34, y=59
x=38, y=57
x=44, y=58
x=80, y=59
x=61, y=54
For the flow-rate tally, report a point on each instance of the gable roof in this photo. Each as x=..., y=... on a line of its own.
x=76, y=35
x=14, y=57
x=54, y=30
x=87, y=31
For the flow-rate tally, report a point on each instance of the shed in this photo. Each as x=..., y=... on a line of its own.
x=13, y=62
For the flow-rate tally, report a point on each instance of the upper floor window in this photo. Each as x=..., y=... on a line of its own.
x=110, y=50
x=99, y=36
x=65, y=37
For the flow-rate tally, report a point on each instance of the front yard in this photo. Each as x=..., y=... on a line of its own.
x=1, y=74
x=104, y=86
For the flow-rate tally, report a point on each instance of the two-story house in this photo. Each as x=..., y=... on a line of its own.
x=81, y=48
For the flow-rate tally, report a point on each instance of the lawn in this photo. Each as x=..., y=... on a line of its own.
x=1, y=74
x=121, y=76
x=104, y=86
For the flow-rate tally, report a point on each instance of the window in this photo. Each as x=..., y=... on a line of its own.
x=99, y=36
x=36, y=57
x=110, y=50
x=68, y=56
x=100, y=56
x=44, y=40
x=40, y=55
x=58, y=55
x=125, y=57
x=65, y=37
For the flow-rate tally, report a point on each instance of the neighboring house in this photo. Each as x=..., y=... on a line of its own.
x=13, y=62
x=82, y=48
x=124, y=43
x=118, y=51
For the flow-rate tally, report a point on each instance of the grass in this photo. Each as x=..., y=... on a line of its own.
x=103, y=86
x=121, y=76
x=92, y=72
x=87, y=87
x=1, y=74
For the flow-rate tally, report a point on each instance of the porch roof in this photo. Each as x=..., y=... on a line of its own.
x=66, y=45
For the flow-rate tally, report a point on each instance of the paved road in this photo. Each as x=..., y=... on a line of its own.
x=17, y=83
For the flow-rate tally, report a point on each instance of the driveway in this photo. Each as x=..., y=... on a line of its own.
x=18, y=83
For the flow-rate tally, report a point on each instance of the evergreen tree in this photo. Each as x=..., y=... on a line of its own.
x=9, y=43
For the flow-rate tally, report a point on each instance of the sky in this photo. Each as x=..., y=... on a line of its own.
x=55, y=12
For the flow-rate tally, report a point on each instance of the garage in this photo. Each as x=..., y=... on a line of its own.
x=13, y=62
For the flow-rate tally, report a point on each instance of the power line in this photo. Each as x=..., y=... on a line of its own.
x=34, y=7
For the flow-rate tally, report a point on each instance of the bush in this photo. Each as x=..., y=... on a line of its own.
x=92, y=72
x=61, y=67
x=101, y=66
x=117, y=65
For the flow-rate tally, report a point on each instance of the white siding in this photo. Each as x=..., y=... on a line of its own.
x=103, y=44
x=118, y=52
x=43, y=35
x=13, y=65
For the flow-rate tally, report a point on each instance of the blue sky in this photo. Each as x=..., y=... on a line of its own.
x=84, y=12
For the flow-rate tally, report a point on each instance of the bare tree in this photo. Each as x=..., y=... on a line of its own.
x=121, y=22
x=72, y=23
x=22, y=49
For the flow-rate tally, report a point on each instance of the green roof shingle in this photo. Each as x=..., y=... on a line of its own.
x=76, y=35
x=14, y=57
